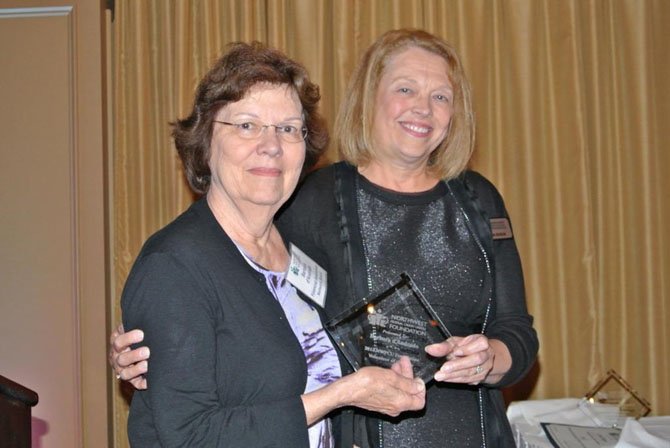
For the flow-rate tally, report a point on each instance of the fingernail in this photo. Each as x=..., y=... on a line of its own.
x=144, y=352
x=439, y=376
x=420, y=384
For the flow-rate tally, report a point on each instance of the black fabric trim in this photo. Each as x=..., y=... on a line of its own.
x=346, y=184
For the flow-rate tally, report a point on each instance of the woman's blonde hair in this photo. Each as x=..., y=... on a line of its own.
x=353, y=125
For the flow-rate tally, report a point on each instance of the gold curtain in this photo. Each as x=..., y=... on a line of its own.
x=570, y=98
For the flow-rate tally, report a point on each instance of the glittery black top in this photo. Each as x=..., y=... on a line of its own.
x=425, y=234
x=364, y=236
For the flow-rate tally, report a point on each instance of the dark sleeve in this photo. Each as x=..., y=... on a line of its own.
x=511, y=323
x=309, y=219
x=185, y=398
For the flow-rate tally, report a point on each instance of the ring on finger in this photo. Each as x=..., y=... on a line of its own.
x=478, y=370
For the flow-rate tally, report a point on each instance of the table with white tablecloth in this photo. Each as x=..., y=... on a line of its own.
x=526, y=418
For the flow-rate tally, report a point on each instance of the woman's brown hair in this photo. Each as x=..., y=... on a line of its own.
x=230, y=78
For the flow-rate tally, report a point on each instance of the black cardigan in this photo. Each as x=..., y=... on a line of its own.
x=225, y=367
x=322, y=220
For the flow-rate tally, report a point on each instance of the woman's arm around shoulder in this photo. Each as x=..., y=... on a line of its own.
x=512, y=325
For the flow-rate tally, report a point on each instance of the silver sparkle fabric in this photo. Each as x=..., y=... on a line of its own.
x=425, y=235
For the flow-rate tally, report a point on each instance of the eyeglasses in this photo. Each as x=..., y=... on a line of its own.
x=250, y=130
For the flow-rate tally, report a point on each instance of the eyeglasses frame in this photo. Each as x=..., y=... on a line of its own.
x=263, y=127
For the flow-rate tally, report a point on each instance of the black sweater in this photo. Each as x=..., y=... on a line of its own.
x=226, y=369
x=328, y=231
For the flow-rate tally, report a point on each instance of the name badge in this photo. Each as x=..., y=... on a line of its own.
x=307, y=276
x=501, y=229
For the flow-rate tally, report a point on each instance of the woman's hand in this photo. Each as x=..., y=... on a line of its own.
x=129, y=365
x=388, y=391
x=472, y=359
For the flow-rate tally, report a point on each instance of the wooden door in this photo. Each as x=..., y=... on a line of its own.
x=52, y=219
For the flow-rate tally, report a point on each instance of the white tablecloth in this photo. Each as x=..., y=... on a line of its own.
x=526, y=416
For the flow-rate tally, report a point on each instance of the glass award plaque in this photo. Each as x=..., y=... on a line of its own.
x=378, y=331
x=612, y=399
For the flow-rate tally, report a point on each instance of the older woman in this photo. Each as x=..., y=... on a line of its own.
x=239, y=358
x=402, y=201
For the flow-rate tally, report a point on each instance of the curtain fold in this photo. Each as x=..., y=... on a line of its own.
x=570, y=99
